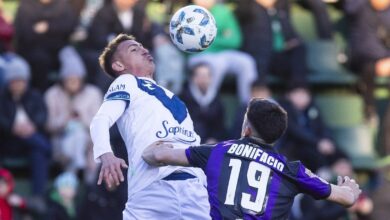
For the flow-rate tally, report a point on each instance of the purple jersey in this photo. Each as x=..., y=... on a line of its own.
x=250, y=180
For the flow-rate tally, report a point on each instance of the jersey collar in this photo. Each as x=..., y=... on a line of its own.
x=147, y=78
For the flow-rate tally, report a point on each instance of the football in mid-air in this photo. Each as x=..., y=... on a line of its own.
x=192, y=29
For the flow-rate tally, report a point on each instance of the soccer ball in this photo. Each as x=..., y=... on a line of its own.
x=192, y=29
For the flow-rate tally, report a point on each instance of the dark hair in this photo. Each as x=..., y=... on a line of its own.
x=105, y=59
x=267, y=118
x=194, y=68
x=259, y=84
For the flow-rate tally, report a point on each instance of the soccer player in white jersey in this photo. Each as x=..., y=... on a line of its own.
x=145, y=113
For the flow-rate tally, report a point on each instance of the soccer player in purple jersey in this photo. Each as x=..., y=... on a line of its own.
x=247, y=178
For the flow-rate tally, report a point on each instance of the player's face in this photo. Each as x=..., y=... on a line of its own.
x=134, y=58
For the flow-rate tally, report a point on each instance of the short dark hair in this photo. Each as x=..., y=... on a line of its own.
x=195, y=67
x=258, y=84
x=105, y=59
x=267, y=118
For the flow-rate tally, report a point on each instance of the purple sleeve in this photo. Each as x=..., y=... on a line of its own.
x=198, y=156
x=311, y=184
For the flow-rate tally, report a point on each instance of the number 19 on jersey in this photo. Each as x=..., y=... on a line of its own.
x=257, y=177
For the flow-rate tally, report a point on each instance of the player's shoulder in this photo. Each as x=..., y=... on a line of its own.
x=295, y=169
x=124, y=82
x=122, y=88
x=125, y=78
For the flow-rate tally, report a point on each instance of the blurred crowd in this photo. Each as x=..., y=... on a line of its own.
x=51, y=87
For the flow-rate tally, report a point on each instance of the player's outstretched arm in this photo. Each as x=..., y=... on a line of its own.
x=107, y=115
x=346, y=192
x=160, y=154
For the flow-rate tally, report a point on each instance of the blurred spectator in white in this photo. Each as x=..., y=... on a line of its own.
x=259, y=89
x=71, y=105
x=223, y=55
x=62, y=199
x=207, y=114
x=42, y=28
x=23, y=115
x=271, y=39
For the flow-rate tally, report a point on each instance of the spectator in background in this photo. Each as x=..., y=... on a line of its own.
x=369, y=44
x=307, y=138
x=85, y=11
x=307, y=208
x=6, y=32
x=23, y=115
x=271, y=39
x=369, y=39
x=259, y=89
x=42, y=28
x=71, y=105
x=207, y=114
x=62, y=200
x=8, y=199
x=101, y=202
x=126, y=16
x=223, y=55
x=2, y=68
x=321, y=16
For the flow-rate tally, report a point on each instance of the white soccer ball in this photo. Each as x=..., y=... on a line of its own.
x=192, y=29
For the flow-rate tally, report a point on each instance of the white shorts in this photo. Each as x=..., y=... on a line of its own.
x=169, y=200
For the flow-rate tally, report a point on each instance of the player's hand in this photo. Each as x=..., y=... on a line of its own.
x=351, y=186
x=152, y=153
x=111, y=172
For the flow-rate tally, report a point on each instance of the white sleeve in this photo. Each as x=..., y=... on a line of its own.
x=108, y=114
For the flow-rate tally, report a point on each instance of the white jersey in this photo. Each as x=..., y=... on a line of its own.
x=152, y=114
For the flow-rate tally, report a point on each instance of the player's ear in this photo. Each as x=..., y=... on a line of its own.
x=246, y=131
x=118, y=66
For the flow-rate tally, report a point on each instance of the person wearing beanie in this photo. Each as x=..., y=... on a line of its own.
x=8, y=200
x=23, y=115
x=61, y=205
x=71, y=105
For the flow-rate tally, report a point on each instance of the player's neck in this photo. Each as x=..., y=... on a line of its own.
x=259, y=140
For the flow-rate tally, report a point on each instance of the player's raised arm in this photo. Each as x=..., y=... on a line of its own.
x=346, y=192
x=161, y=154
x=107, y=115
